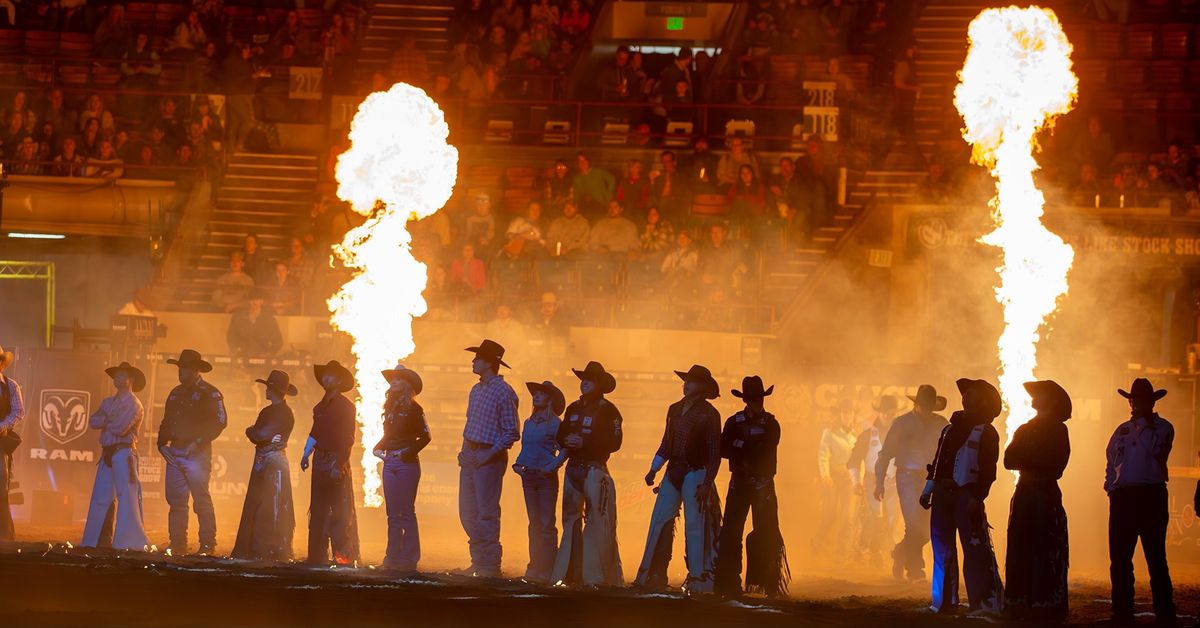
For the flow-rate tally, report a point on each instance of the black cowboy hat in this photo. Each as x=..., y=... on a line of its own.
x=988, y=400
x=1142, y=389
x=135, y=374
x=280, y=382
x=190, y=358
x=886, y=403
x=406, y=374
x=701, y=374
x=558, y=401
x=594, y=372
x=752, y=389
x=927, y=397
x=1059, y=401
x=489, y=350
x=345, y=377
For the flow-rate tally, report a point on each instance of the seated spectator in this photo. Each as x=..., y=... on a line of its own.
x=146, y=167
x=1087, y=190
x=1095, y=146
x=618, y=82
x=409, y=65
x=544, y=12
x=568, y=233
x=26, y=162
x=68, y=162
x=541, y=39
x=338, y=36
x=525, y=236
x=614, y=233
x=704, y=167
x=167, y=118
x=677, y=103
x=94, y=110
x=844, y=90
x=496, y=45
x=47, y=141
x=575, y=21
x=253, y=331
x=679, y=265
x=57, y=113
x=633, y=191
x=299, y=262
x=751, y=88
x=189, y=36
x=19, y=105
x=562, y=59
x=1154, y=189
x=760, y=37
x=125, y=149
x=668, y=190
x=748, y=202
x=730, y=164
x=1112, y=10
x=527, y=80
x=678, y=70
x=721, y=262
x=293, y=31
x=935, y=188
x=89, y=140
x=260, y=33
x=506, y=329
x=142, y=304
x=467, y=273
x=657, y=234
x=234, y=287
x=837, y=19
x=806, y=28
x=281, y=291
x=559, y=186
x=113, y=36
x=480, y=227
x=12, y=135
x=509, y=15
x=549, y=317
x=203, y=74
x=593, y=187
x=1177, y=168
x=105, y=164
x=210, y=124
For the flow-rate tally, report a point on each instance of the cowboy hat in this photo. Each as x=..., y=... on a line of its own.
x=1058, y=402
x=558, y=402
x=886, y=403
x=594, y=372
x=6, y=358
x=489, y=350
x=190, y=358
x=927, y=397
x=1142, y=389
x=280, y=382
x=408, y=375
x=701, y=374
x=987, y=398
x=752, y=389
x=344, y=376
x=136, y=376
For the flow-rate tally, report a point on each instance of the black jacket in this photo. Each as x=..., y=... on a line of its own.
x=192, y=414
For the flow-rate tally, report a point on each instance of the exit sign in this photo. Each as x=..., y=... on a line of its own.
x=674, y=23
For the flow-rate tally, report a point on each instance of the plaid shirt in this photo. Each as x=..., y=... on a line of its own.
x=16, y=407
x=492, y=414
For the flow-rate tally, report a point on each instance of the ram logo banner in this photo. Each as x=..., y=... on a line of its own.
x=64, y=414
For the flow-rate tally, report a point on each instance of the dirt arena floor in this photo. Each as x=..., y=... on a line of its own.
x=48, y=584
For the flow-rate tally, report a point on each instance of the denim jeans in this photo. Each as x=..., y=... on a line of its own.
x=479, y=485
x=400, y=480
x=541, y=496
x=187, y=477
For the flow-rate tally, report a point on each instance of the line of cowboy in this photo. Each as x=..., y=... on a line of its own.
x=956, y=482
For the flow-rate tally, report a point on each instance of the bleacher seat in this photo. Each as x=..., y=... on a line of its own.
x=679, y=134
x=1106, y=41
x=312, y=19
x=1179, y=111
x=140, y=15
x=485, y=177
x=516, y=200
x=615, y=134
x=1139, y=41
x=1167, y=74
x=520, y=177
x=41, y=43
x=498, y=132
x=710, y=205
x=556, y=132
x=167, y=15
x=11, y=42
x=1129, y=74
x=740, y=128
x=1174, y=40
x=75, y=44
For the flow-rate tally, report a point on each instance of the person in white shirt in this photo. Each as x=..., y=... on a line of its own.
x=833, y=456
x=1136, y=482
x=12, y=411
x=118, y=419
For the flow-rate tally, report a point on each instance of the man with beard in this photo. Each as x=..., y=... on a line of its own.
x=332, y=519
x=691, y=451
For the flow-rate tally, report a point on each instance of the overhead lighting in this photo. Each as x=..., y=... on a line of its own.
x=37, y=236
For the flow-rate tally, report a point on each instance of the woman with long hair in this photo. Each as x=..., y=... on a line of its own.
x=405, y=434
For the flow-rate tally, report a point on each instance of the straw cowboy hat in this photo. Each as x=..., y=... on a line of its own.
x=1142, y=389
x=752, y=389
x=407, y=375
x=927, y=397
x=491, y=351
x=136, y=376
x=1055, y=400
x=280, y=382
x=344, y=376
x=594, y=372
x=6, y=358
x=986, y=399
x=190, y=358
x=558, y=401
x=701, y=374
x=886, y=403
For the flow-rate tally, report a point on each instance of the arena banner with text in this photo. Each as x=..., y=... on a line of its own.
x=59, y=453
x=1144, y=235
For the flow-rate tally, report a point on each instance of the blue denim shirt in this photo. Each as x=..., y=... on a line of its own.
x=539, y=447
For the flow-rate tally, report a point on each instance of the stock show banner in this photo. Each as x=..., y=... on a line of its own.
x=56, y=462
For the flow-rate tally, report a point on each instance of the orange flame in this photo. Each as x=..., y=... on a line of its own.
x=399, y=167
x=1016, y=79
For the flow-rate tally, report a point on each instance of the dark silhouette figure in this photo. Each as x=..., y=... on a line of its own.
x=1136, y=482
x=750, y=441
x=959, y=481
x=332, y=521
x=268, y=517
x=1036, y=569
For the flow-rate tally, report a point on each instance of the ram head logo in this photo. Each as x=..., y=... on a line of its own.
x=64, y=415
